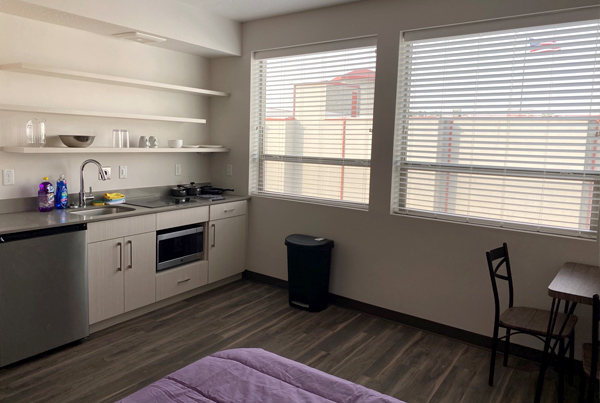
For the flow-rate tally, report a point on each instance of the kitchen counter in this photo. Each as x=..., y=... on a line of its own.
x=33, y=220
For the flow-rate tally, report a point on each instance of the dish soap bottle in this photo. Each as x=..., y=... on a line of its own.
x=46, y=196
x=62, y=195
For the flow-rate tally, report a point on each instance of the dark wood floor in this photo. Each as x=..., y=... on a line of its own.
x=404, y=362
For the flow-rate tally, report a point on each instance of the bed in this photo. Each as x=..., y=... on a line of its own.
x=252, y=375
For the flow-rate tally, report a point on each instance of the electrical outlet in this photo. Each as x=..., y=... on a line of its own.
x=177, y=169
x=229, y=170
x=106, y=172
x=122, y=171
x=8, y=177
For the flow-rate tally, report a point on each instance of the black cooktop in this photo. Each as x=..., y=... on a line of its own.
x=166, y=201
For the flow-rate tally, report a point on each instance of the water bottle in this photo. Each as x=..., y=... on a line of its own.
x=62, y=196
x=46, y=196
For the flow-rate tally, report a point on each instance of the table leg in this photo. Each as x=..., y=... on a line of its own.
x=544, y=365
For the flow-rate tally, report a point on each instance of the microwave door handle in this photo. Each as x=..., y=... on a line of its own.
x=176, y=234
x=214, y=235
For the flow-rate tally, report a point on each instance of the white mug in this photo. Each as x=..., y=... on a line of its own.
x=143, y=143
x=153, y=142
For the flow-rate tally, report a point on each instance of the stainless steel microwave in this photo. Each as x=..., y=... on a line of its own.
x=177, y=246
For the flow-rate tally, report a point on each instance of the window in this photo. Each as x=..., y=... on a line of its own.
x=501, y=128
x=312, y=117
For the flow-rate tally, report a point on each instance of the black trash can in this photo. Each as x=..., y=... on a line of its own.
x=309, y=264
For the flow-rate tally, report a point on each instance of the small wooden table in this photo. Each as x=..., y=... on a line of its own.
x=575, y=283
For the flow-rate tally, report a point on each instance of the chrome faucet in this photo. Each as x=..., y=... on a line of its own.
x=83, y=197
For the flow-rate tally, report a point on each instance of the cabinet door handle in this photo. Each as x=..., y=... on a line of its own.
x=214, y=235
x=130, y=255
x=183, y=281
x=229, y=211
x=120, y=245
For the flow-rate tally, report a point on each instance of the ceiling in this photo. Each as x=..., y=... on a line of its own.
x=208, y=28
x=248, y=10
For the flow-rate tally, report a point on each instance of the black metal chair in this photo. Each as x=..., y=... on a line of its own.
x=525, y=320
x=590, y=356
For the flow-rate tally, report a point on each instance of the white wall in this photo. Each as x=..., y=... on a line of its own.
x=30, y=41
x=429, y=269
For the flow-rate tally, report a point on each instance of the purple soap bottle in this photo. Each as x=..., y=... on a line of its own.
x=46, y=196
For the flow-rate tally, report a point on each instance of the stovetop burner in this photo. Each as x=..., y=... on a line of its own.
x=165, y=201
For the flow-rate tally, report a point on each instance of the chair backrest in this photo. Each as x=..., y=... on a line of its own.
x=497, y=258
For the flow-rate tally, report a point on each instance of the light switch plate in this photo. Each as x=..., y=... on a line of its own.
x=177, y=169
x=229, y=170
x=122, y=171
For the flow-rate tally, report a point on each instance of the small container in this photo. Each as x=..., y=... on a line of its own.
x=46, y=196
x=153, y=142
x=62, y=194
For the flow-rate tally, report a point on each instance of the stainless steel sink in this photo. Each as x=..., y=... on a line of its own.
x=101, y=211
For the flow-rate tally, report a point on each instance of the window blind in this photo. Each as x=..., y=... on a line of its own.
x=501, y=128
x=311, y=125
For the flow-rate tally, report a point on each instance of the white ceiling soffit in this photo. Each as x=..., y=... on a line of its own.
x=248, y=10
x=187, y=29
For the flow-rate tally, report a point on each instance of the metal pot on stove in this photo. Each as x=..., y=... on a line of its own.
x=192, y=189
x=178, y=191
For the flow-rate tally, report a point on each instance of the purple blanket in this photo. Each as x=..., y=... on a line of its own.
x=249, y=375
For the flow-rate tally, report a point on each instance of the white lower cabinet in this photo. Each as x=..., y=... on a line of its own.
x=121, y=257
x=181, y=279
x=121, y=274
x=226, y=240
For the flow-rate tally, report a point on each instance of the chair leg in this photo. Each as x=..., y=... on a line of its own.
x=572, y=358
x=582, y=385
x=506, y=347
x=561, y=370
x=493, y=359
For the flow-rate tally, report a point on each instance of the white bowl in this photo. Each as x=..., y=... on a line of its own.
x=175, y=143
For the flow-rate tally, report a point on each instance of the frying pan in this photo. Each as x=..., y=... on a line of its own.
x=209, y=190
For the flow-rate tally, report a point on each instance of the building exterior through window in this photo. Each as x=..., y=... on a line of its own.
x=313, y=125
x=502, y=129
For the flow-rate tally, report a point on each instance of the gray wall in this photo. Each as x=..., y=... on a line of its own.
x=430, y=269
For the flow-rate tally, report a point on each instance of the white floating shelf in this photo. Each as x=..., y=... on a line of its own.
x=108, y=150
x=106, y=79
x=60, y=111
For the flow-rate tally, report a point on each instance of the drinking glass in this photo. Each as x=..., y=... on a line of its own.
x=36, y=132
x=117, y=138
x=125, y=138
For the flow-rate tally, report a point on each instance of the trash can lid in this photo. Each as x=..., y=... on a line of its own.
x=308, y=241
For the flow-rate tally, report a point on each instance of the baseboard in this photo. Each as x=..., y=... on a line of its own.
x=465, y=336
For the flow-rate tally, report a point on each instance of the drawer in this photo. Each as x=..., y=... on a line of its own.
x=170, y=219
x=120, y=227
x=225, y=210
x=181, y=279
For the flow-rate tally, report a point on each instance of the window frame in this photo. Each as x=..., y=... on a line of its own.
x=259, y=157
x=402, y=164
